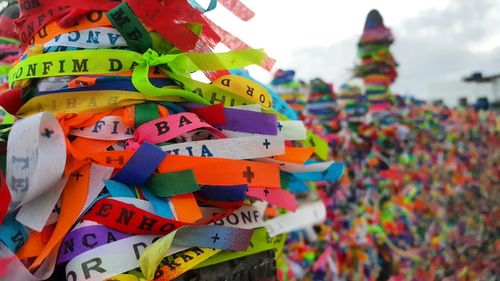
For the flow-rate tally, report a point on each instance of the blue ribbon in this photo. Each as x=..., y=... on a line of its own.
x=279, y=104
x=142, y=164
x=225, y=193
x=294, y=184
x=333, y=173
x=161, y=205
x=118, y=85
x=12, y=233
x=118, y=189
x=196, y=5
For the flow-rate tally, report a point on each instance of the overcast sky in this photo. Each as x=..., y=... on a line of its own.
x=436, y=40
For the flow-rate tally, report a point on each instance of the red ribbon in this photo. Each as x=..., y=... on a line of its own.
x=7, y=27
x=213, y=114
x=11, y=100
x=4, y=197
x=35, y=14
x=128, y=218
x=170, y=19
x=238, y=9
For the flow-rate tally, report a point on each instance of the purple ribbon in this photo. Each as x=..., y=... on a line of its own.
x=87, y=238
x=250, y=122
x=216, y=236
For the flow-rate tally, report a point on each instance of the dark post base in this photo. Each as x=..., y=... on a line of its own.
x=258, y=267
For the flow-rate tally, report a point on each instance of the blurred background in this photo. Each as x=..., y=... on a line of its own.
x=446, y=49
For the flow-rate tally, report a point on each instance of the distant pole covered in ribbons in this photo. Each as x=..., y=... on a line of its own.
x=293, y=91
x=377, y=67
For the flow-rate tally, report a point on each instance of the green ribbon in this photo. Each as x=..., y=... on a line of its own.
x=145, y=112
x=85, y=62
x=6, y=40
x=179, y=66
x=173, y=183
x=126, y=22
x=4, y=69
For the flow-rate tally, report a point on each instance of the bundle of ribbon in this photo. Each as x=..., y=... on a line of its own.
x=351, y=97
x=315, y=103
x=124, y=167
x=353, y=103
x=9, y=51
x=408, y=206
x=323, y=112
x=378, y=67
x=322, y=101
x=294, y=92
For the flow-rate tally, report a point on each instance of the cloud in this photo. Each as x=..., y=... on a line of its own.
x=332, y=63
x=432, y=46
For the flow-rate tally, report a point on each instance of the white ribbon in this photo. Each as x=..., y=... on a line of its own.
x=111, y=259
x=36, y=156
x=246, y=217
x=108, y=128
x=308, y=214
x=91, y=38
x=36, y=214
x=298, y=168
x=255, y=146
x=15, y=270
x=288, y=130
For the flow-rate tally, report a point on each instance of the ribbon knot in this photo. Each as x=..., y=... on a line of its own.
x=177, y=63
x=150, y=57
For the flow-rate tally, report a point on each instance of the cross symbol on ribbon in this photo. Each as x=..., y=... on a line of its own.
x=248, y=174
x=47, y=133
x=215, y=237
x=266, y=143
x=280, y=126
x=311, y=141
x=77, y=175
x=57, y=209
